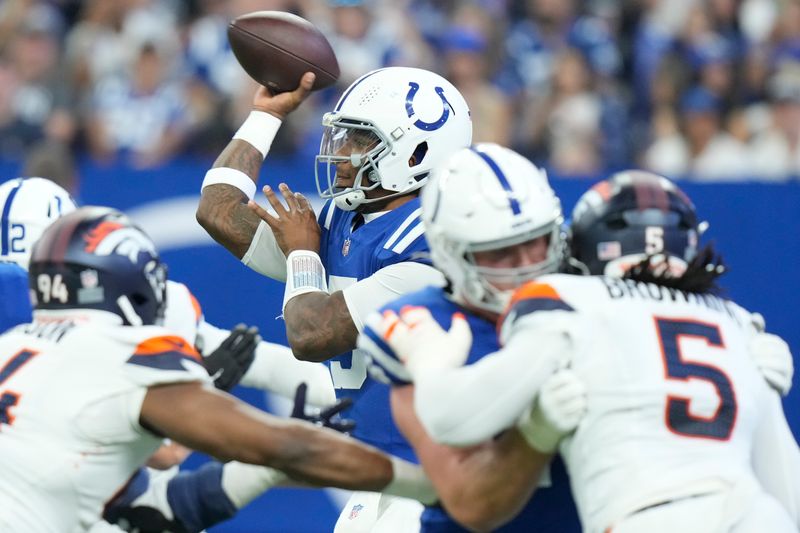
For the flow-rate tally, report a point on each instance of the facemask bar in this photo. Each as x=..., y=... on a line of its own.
x=480, y=287
x=349, y=141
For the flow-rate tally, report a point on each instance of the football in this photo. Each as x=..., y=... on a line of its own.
x=276, y=48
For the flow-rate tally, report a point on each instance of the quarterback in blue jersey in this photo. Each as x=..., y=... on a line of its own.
x=389, y=129
x=493, y=222
x=27, y=207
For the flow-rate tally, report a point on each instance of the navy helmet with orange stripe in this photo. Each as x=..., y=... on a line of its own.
x=633, y=216
x=96, y=258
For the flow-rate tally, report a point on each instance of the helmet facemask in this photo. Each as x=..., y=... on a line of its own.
x=359, y=143
x=490, y=288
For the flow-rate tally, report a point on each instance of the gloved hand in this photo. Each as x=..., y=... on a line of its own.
x=328, y=417
x=556, y=412
x=229, y=362
x=774, y=359
x=421, y=344
x=143, y=506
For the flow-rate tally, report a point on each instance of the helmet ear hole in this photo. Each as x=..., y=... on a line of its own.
x=419, y=154
x=138, y=298
x=616, y=223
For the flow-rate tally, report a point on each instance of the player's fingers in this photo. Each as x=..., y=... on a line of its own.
x=303, y=202
x=262, y=213
x=415, y=316
x=274, y=201
x=306, y=82
x=389, y=323
x=298, y=411
x=288, y=195
x=460, y=332
x=339, y=406
x=757, y=319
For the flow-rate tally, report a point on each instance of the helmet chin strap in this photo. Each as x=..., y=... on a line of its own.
x=350, y=200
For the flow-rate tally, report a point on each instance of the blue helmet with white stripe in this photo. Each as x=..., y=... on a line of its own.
x=487, y=198
x=27, y=207
x=390, y=128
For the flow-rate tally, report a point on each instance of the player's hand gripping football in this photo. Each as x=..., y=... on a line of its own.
x=558, y=409
x=421, y=344
x=231, y=360
x=295, y=225
x=772, y=355
x=281, y=104
x=327, y=417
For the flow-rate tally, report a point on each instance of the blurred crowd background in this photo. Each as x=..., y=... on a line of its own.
x=706, y=90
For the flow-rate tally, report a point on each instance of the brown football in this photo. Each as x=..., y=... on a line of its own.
x=276, y=48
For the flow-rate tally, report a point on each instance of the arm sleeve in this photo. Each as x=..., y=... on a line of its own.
x=385, y=285
x=468, y=405
x=776, y=458
x=264, y=255
x=275, y=369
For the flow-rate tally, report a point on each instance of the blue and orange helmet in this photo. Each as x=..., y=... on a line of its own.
x=632, y=216
x=96, y=258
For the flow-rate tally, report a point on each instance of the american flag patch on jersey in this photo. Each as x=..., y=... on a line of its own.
x=606, y=251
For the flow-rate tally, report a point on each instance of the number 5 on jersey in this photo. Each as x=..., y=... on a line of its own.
x=679, y=418
x=9, y=399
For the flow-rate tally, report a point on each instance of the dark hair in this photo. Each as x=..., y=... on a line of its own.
x=701, y=274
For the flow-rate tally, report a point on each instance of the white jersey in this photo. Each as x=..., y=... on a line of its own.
x=674, y=399
x=70, y=400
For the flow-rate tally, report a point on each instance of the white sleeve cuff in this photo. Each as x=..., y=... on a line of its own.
x=233, y=177
x=259, y=130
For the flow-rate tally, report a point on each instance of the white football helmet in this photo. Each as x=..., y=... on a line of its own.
x=382, y=121
x=483, y=198
x=27, y=207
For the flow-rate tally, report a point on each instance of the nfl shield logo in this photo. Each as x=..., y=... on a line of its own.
x=354, y=511
x=89, y=278
x=346, y=247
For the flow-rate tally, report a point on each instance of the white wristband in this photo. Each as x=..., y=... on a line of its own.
x=304, y=273
x=230, y=176
x=259, y=130
x=242, y=483
x=410, y=481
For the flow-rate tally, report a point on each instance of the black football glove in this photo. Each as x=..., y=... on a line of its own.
x=328, y=417
x=229, y=362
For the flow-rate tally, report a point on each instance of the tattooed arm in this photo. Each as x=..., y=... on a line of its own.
x=319, y=326
x=223, y=209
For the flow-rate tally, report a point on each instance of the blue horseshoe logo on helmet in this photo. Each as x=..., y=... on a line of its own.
x=421, y=124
